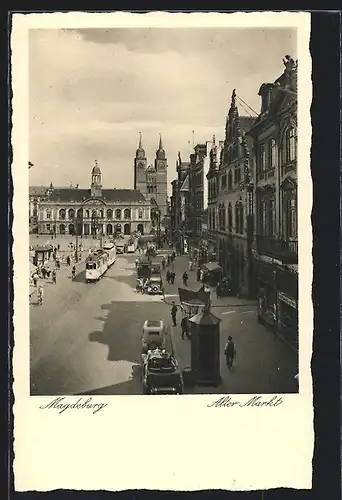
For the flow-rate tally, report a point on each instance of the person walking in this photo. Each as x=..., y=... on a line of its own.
x=185, y=278
x=73, y=272
x=168, y=276
x=54, y=276
x=230, y=352
x=68, y=260
x=168, y=260
x=172, y=277
x=163, y=264
x=174, y=310
x=198, y=274
x=185, y=327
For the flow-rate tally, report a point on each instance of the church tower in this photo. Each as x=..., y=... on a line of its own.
x=140, y=163
x=96, y=181
x=160, y=165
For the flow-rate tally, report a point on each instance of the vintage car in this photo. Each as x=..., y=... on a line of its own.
x=153, y=333
x=154, y=285
x=161, y=374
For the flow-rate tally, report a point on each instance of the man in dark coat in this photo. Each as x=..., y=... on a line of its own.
x=185, y=327
x=230, y=352
x=174, y=310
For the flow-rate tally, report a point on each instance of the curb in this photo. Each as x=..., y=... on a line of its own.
x=212, y=306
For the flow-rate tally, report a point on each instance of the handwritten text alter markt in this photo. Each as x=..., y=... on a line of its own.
x=81, y=404
x=255, y=401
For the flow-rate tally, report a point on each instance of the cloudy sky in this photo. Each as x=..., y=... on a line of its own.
x=92, y=91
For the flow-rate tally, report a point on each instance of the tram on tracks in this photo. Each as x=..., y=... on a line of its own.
x=98, y=262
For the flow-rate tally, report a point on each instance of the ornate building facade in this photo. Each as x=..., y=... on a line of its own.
x=94, y=211
x=274, y=136
x=151, y=180
x=233, y=178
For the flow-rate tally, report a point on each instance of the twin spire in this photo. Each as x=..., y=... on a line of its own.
x=140, y=147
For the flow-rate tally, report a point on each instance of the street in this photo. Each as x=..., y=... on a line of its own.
x=86, y=338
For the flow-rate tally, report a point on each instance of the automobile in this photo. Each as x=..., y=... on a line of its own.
x=154, y=286
x=224, y=288
x=153, y=334
x=161, y=374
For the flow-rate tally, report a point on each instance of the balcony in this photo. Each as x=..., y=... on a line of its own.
x=285, y=251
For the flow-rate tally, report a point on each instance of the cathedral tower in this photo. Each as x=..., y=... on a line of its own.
x=96, y=181
x=140, y=163
x=160, y=165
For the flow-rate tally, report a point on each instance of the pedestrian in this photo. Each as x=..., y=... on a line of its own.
x=68, y=260
x=54, y=276
x=44, y=272
x=190, y=265
x=172, y=277
x=168, y=260
x=174, y=310
x=230, y=352
x=163, y=264
x=168, y=276
x=173, y=257
x=136, y=262
x=201, y=274
x=59, y=247
x=185, y=278
x=73, y=272
x=198, y=274
x=35, y=278
x=185, y=327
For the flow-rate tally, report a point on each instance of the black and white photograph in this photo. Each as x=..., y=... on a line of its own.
x=163, y=221
x=162, y=247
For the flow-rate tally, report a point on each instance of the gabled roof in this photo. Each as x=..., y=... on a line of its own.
x=108, y=195
x=185, y=186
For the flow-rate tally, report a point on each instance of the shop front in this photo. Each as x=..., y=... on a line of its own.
x=266, y=293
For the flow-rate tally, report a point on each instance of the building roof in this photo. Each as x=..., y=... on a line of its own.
x=38, y=190
x=108, y=195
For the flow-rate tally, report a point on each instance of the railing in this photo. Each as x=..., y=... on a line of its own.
x=284, y=250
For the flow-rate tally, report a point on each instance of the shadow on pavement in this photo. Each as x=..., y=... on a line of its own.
x=129, y=387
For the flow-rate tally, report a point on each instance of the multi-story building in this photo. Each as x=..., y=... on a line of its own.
x=274, y=136
x=151, y=180
x=198, y=194
x=233, y=178
x=179, y=202
x=94, y=211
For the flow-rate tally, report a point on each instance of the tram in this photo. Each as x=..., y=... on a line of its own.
x=96, y=265
x=110, y=249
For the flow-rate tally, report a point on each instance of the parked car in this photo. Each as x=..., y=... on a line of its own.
x=153, y=333
x=154, y=286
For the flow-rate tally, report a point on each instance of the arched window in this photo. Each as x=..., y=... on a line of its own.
x=127, y=214
x=290, y=148
x=62, y=215
x=289, y=209
x=230, y=179
x=272, y=153
x=71, y=213
x=80, y=213
x=127, y=229
x=118, y=213
x=230, y=218
x=62, y=229
x=101, y=214
x=109, y=213
x=140, y=228
x=222, y=217
x=87, y=214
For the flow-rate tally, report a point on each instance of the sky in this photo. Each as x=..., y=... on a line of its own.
x=92, y=91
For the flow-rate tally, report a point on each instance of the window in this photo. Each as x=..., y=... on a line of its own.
x=237, y=174
x=262, y=158
x=239, y=217
x=118, y=213
x=71, y=213
x=101, y=214
x=127, y=214
x=223, y=181
x=48, y=227
x=267, y=215
x=222, y=217
x=290, y=145
x=271, y=218
x=87, y=214
x=272, y=153
x=48, y=213
x=140, y=213
x=230, y=218
x=230, y=179
x=62, y=214
x=80, y=213
x=290, y=213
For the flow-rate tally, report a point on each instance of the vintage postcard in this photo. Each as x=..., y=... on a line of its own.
x=162, y=247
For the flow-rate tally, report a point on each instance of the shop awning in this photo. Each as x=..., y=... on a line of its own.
x=212, y=266
x=193, y=298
